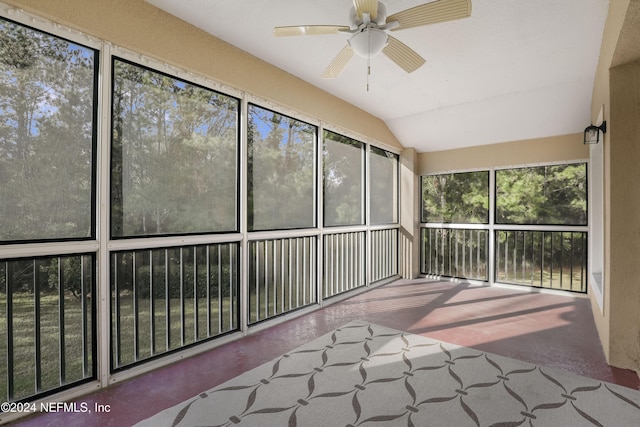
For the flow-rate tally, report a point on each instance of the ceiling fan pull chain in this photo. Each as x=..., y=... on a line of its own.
x=368, y=73
x=368, y=58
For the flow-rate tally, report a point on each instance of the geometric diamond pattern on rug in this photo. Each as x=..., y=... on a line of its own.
x=367, y=375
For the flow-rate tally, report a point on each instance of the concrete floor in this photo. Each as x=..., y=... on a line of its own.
x=546, y=329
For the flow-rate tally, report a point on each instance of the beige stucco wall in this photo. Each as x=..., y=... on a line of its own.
x=617, y=93
x=409, y=215
x=531, y=151
x=145, y=29
x=624, y=225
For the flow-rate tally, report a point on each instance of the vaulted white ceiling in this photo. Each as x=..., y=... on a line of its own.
x=516, y=69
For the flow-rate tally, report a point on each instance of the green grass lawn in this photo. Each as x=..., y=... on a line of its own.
x=561, y=280
x=152, y=334
x=24, y=336
x=151, y=323
x=24, y=340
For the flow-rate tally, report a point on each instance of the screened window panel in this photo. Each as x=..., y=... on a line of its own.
x=47, y=329
x=164, y=299
x=47, y=134
x=281, y=171
x=174, y=155
x=461, y=198
x=343, y=180
x=383, y=177
x=555, y=194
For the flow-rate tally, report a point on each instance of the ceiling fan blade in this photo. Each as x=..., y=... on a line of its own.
x=308, y=30
x=338, y=63
x=403, y=55
x=431, y=13
x=366, y=6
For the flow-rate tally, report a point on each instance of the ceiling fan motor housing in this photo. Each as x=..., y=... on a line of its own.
x=369, y=42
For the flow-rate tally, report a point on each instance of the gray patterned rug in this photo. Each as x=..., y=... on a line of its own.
x=368, y=375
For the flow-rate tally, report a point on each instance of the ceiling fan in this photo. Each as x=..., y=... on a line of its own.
x=368, y=31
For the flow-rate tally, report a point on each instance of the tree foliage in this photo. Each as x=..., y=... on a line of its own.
x=456, y=198
x=47, y=98
x=554, y=194
x=383, y=181
x=343, y=180
x=73, y=273
x=281, y=171
x=174, y=155
x=188, y=272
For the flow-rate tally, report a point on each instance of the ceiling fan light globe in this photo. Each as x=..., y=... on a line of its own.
x=369, y=42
